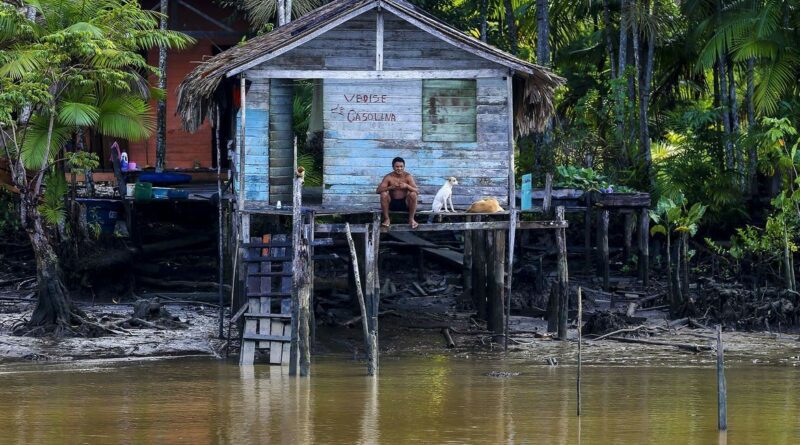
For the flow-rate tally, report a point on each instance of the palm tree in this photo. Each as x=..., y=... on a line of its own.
x=261, y=12
x=76, y=64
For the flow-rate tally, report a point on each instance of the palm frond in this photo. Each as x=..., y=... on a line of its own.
x=125, y=117
x=34, y=147
x=77, y=114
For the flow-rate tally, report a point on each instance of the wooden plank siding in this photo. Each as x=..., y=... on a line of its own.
x=281, y=141
x=359, y=152
x=256, y=165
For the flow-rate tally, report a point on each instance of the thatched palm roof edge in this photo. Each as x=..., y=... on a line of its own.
x=533, y=101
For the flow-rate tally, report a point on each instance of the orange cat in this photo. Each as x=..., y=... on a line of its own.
x=485, y=205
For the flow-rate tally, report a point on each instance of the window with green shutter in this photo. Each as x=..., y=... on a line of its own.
x=449, y=110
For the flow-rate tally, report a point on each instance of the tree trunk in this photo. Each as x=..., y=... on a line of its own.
x=636, y=79
x=609, y=44
x=734, y=117
x=673, y=300
x=484, y=8
x=644, y=106
x=52, y=308
x=623, y=61
x=161, y=131
x=752, y=158
x=542, y=33
x=685, y=256
x=511, y=25
x=726, y=117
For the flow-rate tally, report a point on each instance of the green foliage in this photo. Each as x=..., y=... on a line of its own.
x=52, y=206
x=585, y=179
x=676, y=215
x=9, y=213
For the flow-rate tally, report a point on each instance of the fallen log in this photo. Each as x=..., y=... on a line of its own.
x=684, y=346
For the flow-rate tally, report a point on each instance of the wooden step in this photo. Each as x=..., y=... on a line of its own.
x=261, y=337
x=283, y=316
x=268, y=259
x=270, y=295
x=269, y=274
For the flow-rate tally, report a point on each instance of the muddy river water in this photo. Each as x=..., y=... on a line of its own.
x=417, y=399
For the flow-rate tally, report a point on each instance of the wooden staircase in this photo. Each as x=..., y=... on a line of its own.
x=268, y=287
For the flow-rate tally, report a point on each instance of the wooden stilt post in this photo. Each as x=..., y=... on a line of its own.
x=496, y=246
x=722, y=387
x=247, y=351
x=220, y=255
x=603, y=244
x=580, y=332
x=548, y=193
x=563, y=276
x=466, y=269
x=369, y=344
x=512, y=232
x=312, y=217
x=587, y=235
x=479, y=271
x=627, y=238
x=644, y=248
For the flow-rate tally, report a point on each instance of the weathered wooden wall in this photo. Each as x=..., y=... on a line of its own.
x=369, y=122
x=359, y=153
x=407, y=47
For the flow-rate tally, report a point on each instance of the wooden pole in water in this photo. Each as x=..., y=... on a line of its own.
x=304, y=299
x=563, y=276
x=580, y=331
x=297, y=270
x=722, y=387
x=364, y=318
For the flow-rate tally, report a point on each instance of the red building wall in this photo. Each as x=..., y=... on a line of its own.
x=187, y=150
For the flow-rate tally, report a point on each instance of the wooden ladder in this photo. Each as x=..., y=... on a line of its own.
x=268, y=288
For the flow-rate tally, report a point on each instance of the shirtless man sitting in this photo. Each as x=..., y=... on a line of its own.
x=398, y=193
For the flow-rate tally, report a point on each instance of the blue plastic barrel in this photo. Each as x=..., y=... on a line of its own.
x=104, y=212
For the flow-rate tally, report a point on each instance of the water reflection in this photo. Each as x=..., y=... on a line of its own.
x=414, y=400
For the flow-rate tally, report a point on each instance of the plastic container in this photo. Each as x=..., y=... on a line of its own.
x=160, y=193
x=143, y=191
x=178, y=194
x=104, y=212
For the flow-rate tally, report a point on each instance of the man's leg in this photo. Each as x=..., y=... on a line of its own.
x=385, y=199
x=411, y=203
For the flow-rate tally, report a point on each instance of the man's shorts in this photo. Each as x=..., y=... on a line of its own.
x=398, y=205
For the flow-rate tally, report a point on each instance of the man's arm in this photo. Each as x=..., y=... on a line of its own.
x=410, y=185
x=384, y=185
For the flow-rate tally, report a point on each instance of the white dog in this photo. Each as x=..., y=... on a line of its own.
x=444, y=195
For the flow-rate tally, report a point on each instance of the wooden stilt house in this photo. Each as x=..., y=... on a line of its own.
x=390, y=80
